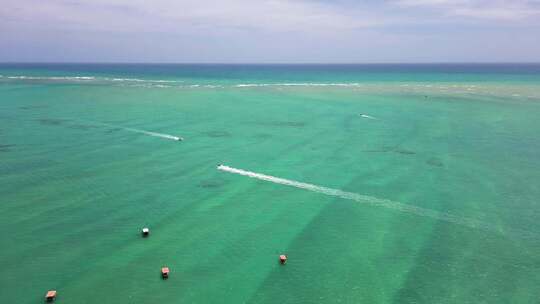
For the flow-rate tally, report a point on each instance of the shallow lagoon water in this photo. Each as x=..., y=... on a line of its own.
x=457, y=140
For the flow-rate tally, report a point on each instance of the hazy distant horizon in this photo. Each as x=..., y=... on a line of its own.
x=277, y=31
x=269, y=63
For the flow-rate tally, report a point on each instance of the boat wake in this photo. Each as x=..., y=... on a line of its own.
x=155, y=134
x=367, y=116
x=379, y=202
x=150, y=133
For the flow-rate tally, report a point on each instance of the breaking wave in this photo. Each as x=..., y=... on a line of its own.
x=299, y=84
x=85, y=79
x=423, y=88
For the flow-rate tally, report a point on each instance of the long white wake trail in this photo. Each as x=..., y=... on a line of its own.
x=374, y=201
x=162, y=135
x=155, y=134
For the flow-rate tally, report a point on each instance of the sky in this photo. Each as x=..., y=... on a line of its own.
x=273, y=31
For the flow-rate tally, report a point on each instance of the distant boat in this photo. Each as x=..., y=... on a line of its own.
x=367, y=116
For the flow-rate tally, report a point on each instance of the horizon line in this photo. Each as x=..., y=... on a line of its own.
x=270, y=63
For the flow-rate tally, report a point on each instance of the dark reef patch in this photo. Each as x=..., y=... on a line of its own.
x=217, y=134
x=286, y=124
x=209, y=184
x=386, y=149
x=51, y=121
x=6, y=147
x=111, y=130
x=82, y=127
x=404, y=151
x=32, y=107
x=435, y=162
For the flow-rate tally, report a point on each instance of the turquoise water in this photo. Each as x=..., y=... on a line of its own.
x=79, y=178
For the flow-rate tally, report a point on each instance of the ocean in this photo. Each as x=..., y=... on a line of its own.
x=383, y=183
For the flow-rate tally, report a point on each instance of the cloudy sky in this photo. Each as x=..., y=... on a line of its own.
x=232, y=31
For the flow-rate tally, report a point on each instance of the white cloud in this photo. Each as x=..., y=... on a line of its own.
x=310, y=17
x=265, y=30
x=273, y=15
x=516, y=10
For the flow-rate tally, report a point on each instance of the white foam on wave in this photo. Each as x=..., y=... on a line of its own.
x=379, y=202
x=299, y=84
x=74, y=78
x=355, y=86
x=88, y=78
x=141, y=80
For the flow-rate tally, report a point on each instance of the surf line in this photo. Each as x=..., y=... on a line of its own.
x=374, y=201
